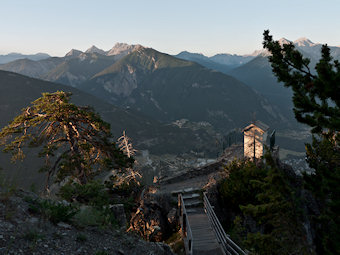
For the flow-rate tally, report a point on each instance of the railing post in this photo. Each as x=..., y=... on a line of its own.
x=185, y=226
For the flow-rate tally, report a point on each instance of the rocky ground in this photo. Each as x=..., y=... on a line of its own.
x=299, y=165
x=23, y=232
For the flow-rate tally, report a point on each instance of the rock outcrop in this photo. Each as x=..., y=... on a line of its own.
x=155, y=219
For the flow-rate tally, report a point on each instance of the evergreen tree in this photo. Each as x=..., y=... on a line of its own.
x=316, y=101
x=74, y=140
x=262, y=196
x=316, y=96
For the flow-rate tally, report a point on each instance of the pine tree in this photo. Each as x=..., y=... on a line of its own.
x=316, y=98
x=316, y=94
x=263, y=198
x=74, y=141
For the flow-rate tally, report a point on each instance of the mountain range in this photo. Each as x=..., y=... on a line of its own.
x=161, y=87
x=156, y=84
x=167, y=104
x=15, y=56
x=220, y=62
x=167, y=89
x=75, y=67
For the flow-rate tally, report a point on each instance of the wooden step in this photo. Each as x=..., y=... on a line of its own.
x=192, y=210
x=211, y=250
x=190, y=195
x=193, y=203
x=185, y=191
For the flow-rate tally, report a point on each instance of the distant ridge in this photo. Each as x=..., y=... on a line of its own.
x=220, y=62
x=15, y=56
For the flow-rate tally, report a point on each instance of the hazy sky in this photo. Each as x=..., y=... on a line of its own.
x=208, y=27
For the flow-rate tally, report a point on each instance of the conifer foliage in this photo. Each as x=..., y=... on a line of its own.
x=316, y=101
x=262, y=200
x=316, y=95
x=74, y=141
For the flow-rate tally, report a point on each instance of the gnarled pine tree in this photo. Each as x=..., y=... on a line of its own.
x=74, y=140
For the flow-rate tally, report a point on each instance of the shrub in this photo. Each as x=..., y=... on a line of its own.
x=92, y=193
x=52, y=210
x=95, y=195
x=90, y=216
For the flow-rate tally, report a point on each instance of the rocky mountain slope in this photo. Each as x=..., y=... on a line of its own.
x=17, y=91
x=167, y=88
x=78, y=69
x=258, y=75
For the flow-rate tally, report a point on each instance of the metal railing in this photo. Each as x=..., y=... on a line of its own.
x=185, y=226
x=229, y=247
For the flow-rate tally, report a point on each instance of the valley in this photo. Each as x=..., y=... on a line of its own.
x=178, y=110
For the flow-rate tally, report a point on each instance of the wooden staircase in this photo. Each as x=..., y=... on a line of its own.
x=200, y=239
x=202, y=233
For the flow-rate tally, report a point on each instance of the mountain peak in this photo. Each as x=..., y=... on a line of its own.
x=94, y=49
x=123, y=48
x=187, y=53
x=303, y=41
x=73, y=53
x=284, y=41
x=262, y=52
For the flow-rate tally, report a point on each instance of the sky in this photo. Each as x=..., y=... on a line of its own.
x=203, y=26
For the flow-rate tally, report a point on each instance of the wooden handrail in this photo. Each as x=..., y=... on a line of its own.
x=228, y=245
x=187, y=233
